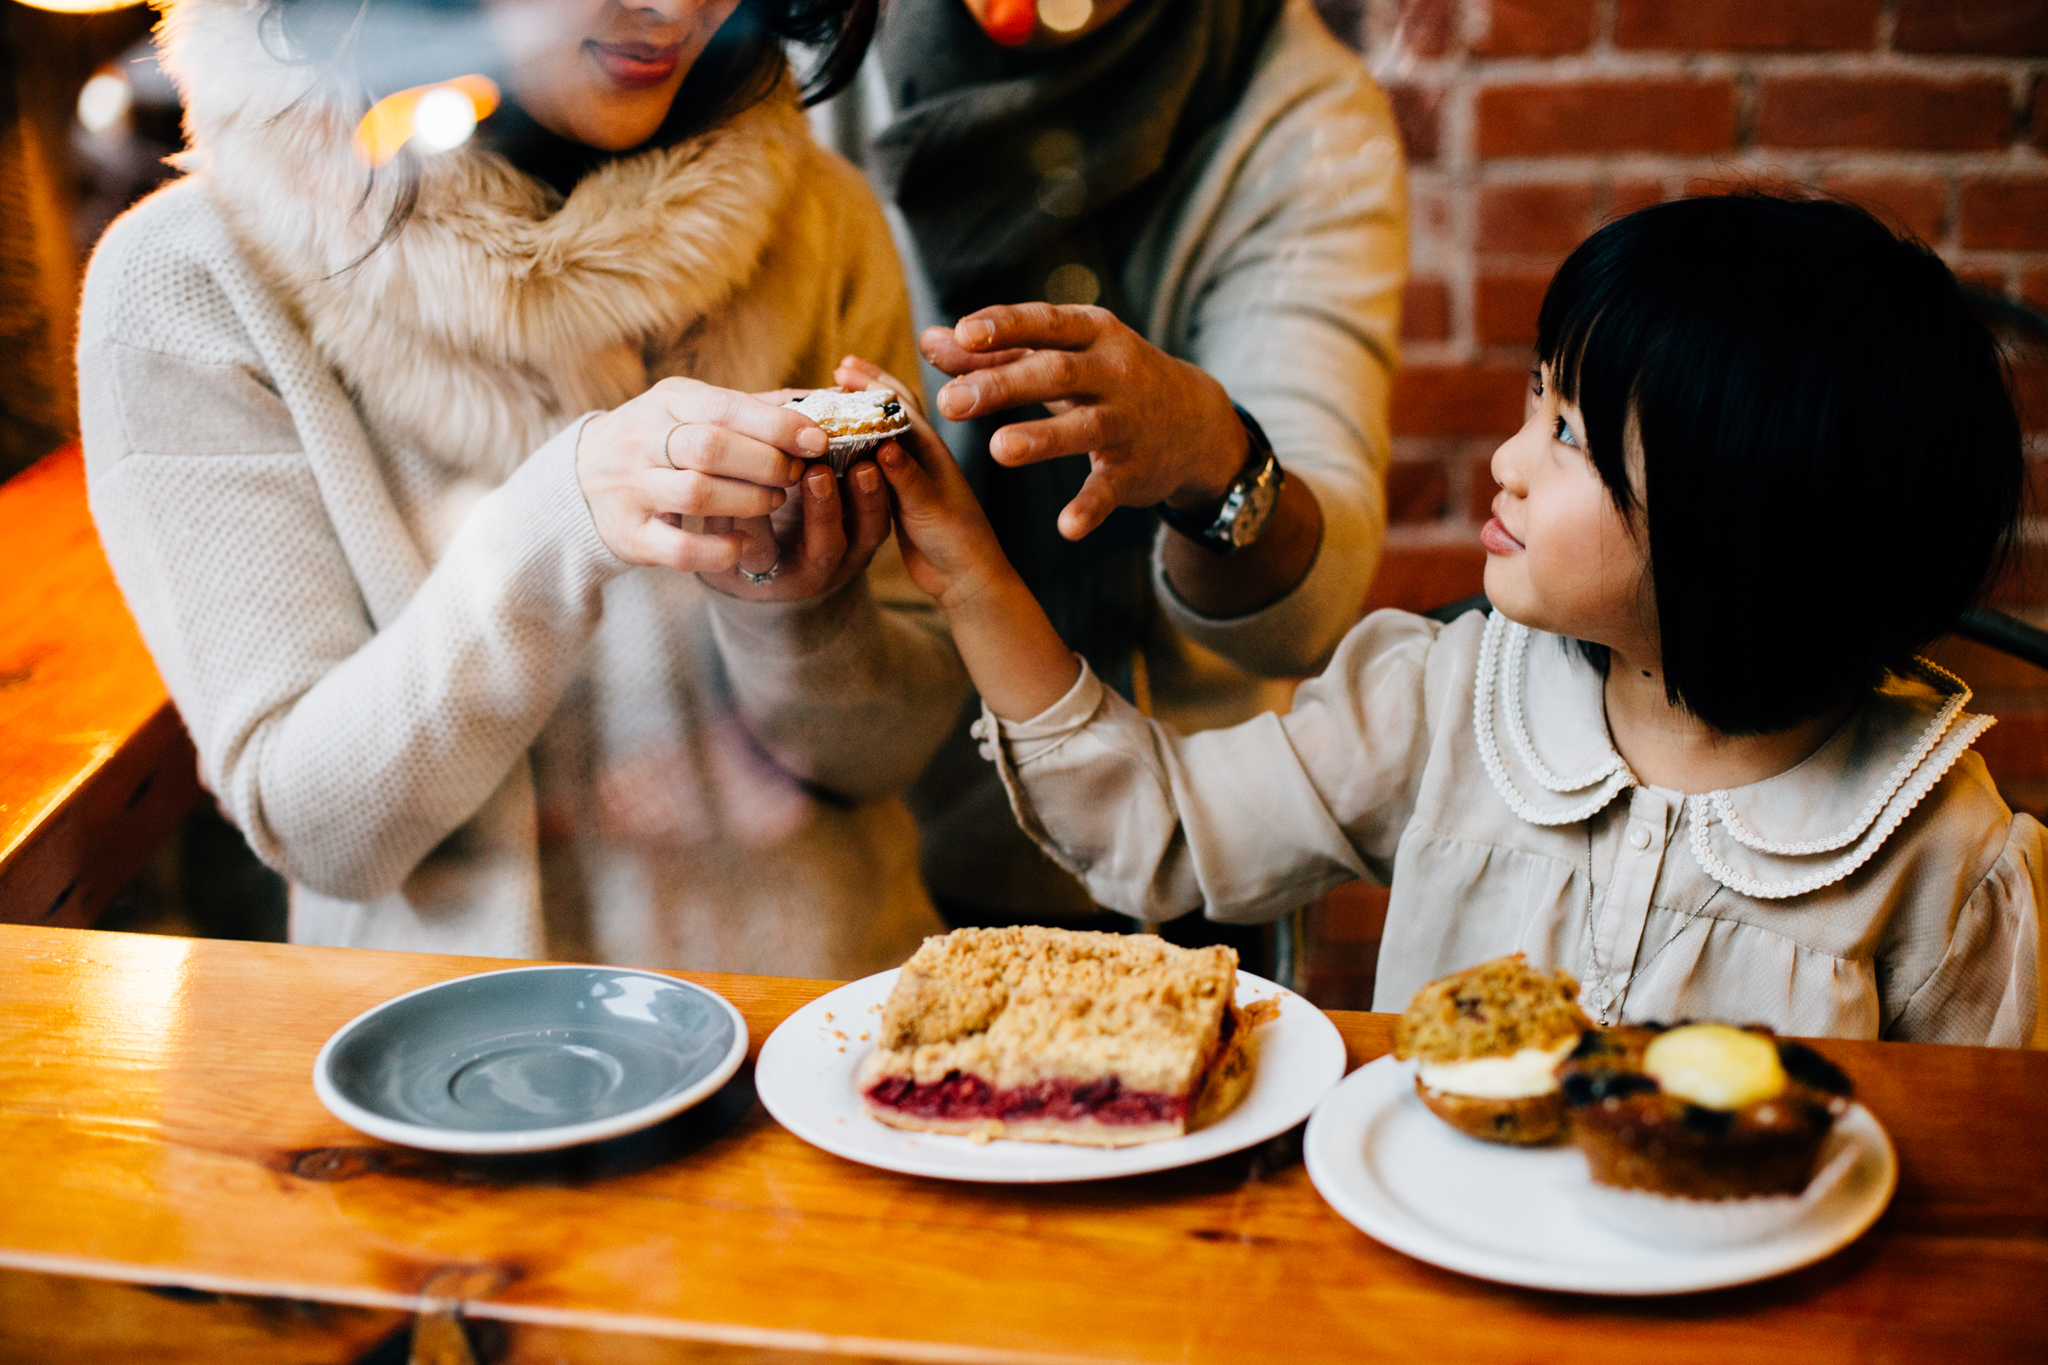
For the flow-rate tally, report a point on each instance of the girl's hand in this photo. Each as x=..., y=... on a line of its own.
x=1015, y=657
x=666, y=473
x=948, y=546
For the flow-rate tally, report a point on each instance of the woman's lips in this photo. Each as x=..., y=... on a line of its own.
x=1494, y=536
x=636, y=65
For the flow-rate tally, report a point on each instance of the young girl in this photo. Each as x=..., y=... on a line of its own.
x=1689, y=757
x=420, y=480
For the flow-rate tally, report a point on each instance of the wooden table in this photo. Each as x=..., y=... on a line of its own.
x=161, y=1131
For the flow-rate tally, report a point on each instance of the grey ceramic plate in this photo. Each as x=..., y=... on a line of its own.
x=529, y=1059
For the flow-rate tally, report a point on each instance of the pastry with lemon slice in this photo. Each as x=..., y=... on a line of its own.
x=1701, y=1111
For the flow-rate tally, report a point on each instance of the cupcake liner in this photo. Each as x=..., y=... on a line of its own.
x=842, y=451
x=1671, y=1221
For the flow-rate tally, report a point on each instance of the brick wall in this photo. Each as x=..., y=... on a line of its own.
x=1529, y=122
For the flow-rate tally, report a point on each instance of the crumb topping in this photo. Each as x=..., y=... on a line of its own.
x=1021, y=1005
x=1495, y=1009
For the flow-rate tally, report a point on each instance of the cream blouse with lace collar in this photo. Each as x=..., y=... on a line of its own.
x=1880, y=888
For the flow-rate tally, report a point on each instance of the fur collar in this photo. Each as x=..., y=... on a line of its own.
x=501, y=311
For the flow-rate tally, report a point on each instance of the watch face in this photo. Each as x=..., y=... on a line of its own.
x=1252, y=516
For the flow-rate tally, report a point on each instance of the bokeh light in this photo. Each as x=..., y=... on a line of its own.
x=1065, y=16
x=1072, y=283
x=441, y=116
x=104, y=101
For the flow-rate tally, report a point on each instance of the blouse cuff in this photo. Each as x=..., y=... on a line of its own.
x=1021, y=741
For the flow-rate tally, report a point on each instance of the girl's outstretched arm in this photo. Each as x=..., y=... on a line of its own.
x=1017, y=659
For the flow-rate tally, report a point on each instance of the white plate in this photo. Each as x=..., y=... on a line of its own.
x=806, y=1070
x=1400, y=1174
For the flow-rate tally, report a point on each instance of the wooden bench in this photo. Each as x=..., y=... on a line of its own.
x=95, y=766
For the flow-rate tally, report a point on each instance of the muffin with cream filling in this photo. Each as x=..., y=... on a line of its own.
x=1701, y=1111
x=1487, y=1042
x=855, y=424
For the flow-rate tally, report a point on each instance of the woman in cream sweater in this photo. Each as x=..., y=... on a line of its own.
x=442, y=503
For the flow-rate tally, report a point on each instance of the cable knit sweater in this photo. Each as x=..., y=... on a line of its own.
x=343, y=505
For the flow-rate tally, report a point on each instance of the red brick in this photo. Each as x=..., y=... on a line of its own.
x=2024, y=582
x=1462, y=400
x=2037, y=488
x=1424, y=26
x=2034, y=289
x=1506, y=307
x=1426, y=311
x=1919, y=204
x=1529, y=219
x=1629, y=195
x=1417, y=491
x=1418, y=577
x=1746, y=25
x=1535, y=28
x=1479, y=492
x=1989, y=278
x=2002, y=28
x=1884, y=111
x=1606, y=116
x=1729, y=181
x=2007, y=213
x=1418, y=114
x=2030, y=396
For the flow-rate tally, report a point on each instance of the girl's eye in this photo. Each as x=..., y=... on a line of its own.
x=1563, y=433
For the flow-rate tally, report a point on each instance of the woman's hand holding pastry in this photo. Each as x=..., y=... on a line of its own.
x=824, y=535
x=666, y=474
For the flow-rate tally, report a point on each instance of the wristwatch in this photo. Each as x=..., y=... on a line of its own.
x=1239, y=517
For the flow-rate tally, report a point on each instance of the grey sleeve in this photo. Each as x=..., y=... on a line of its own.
x=853, y=691
x=1292, y=301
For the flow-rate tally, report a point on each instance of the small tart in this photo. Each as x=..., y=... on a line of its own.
x=1486, y=1043
x=856, y=423
x=1636, y=1100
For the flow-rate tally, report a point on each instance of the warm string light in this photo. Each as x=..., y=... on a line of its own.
x=439, y=116
x=80, y=6
x=1065, y=16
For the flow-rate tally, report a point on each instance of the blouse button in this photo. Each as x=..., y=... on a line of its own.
x=1639, y=836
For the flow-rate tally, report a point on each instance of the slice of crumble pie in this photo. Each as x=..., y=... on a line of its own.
x=1050, y=1035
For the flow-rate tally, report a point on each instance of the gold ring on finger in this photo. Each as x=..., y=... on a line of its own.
x=664, y=445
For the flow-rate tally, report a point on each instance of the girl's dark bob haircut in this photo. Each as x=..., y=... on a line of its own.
x=1831, y=468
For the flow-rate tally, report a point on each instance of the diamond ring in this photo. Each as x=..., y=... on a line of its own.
x=664, y=445
x=765, y=576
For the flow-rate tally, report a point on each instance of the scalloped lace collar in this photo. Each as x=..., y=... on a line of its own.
x=1804, y=829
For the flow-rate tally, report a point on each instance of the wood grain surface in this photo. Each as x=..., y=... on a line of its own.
x=95, y=767
x=162, y=1131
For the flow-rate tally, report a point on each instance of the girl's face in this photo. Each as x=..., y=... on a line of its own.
x=1559, y=557
x=602, y=72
